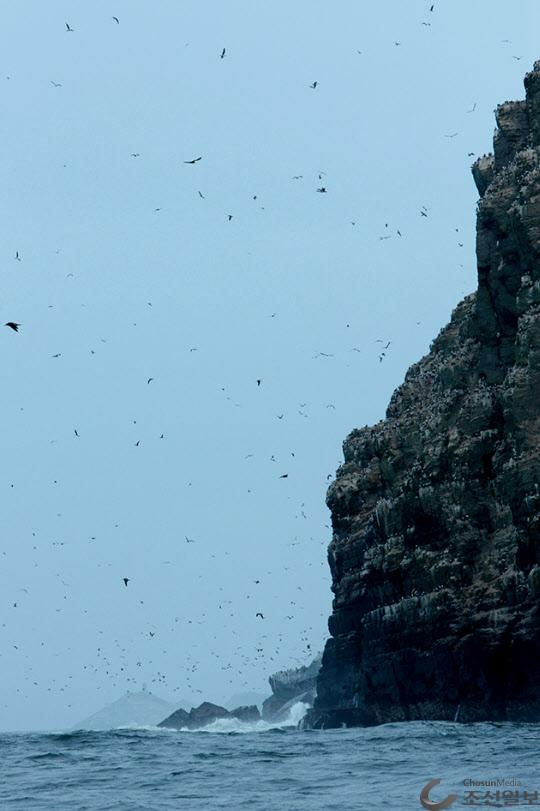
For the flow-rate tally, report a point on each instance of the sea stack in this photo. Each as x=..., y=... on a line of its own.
x=435, y=555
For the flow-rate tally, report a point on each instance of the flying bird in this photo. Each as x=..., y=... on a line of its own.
x=189, y=540
x=75, y=432
x=17, y=256
x=56, y=84
x=117, y=21
x=13, y=325
x=284, y=476
x=149, y=380
x=259, y=382
x=314, y=85
x=195, y=160
x=223, y=53
x=69, y=28
x=322, y=190
x=258, y=614
x=126, y=581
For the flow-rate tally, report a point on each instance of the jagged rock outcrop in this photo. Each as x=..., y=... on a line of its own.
x=206, y=713
x=288, y=688
x=435, y=555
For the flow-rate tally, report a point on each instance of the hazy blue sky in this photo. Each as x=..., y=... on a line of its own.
x=125, y=269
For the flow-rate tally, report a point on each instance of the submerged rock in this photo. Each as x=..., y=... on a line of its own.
x=435, y=555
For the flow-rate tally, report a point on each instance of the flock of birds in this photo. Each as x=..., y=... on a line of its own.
x=114, y=658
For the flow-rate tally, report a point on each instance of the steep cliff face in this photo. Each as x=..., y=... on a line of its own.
x=435, y=555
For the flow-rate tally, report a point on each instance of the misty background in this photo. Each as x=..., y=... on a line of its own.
x=129, y=267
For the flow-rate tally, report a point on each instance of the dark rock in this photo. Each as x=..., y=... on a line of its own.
x=178, y=720
x=248, y=714
x=206, y=713
x=435, y=556
x=289, y=687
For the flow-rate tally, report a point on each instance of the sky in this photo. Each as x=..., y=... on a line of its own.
x=154, y=294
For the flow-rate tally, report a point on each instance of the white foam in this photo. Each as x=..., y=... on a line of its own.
x=228, y=725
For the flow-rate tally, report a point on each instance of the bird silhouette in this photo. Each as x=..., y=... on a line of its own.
x=13, y=325
x=223, y=53
x=17, y=256
x=69, y=28
x=258, y=614
x=284, y=476
x=126, y=581
x=314, y=85
x=56, y=84
x=117, y=21
x=195, y=160
x=322, y=190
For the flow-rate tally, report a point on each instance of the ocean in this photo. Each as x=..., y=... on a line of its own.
x=232, y=765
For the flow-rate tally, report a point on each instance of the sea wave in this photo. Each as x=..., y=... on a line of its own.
x=231, y=726
x=234, y=725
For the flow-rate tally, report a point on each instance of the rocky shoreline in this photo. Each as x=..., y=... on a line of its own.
x=289, y=687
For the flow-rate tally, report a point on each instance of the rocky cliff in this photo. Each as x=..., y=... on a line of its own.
x=435, y=556
x=289, y=687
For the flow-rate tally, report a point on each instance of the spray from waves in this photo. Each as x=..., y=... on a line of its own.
x=232, y=725
x=228, y=725
x=223, y=725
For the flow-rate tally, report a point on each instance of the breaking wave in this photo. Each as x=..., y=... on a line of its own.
x=232, y=725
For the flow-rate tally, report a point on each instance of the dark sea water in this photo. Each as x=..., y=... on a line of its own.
x=271, y=769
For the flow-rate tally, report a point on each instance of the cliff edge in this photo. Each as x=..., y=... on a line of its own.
x=435, y=555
